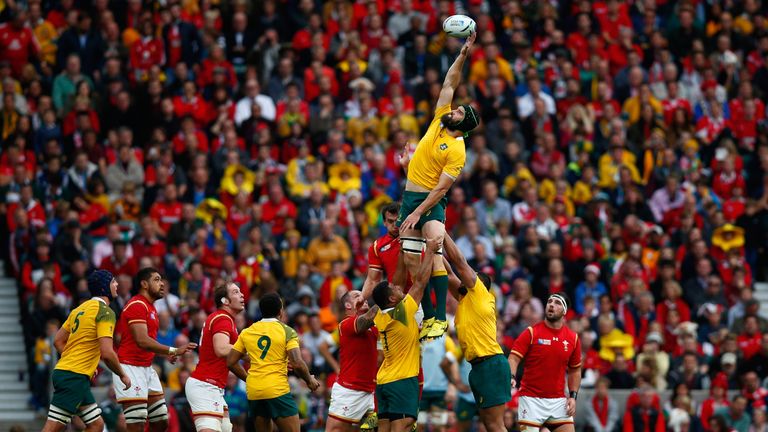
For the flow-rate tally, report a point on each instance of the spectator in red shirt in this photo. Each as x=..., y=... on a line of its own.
x=119, y=263
x=146, y=52
x=18, y=45
x=168, y=211
x=216, y=63
x=190, y=103
x=277, y=209
x=749, y=340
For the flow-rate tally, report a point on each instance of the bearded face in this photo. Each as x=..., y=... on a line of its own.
x=449, y=122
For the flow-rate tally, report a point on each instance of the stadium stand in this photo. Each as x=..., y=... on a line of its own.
x=622, y=159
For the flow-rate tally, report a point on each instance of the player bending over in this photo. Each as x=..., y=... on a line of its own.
x=475, y=321
x=271, y=345
x=435, y=165
x=85, y=337
x=145, y=399
x=352, y=393
x=550, y=349
x=397, y=385
x=205, y=387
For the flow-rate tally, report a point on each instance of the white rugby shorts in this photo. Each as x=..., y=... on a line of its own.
x=533, y=412
x=205, y=399
x=144, y=382
x=349, y=405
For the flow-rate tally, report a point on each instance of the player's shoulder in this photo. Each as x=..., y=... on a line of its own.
x=219, y=316
x=289, y=332
x=570, y=334
x=104, y=313
x=137, y=302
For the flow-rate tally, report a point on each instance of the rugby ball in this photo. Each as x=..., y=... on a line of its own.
x=459, y=26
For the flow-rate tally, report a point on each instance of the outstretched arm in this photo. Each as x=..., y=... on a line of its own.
x=453, y=281
x=421, y=279
x=465, y=273
x=453, y=77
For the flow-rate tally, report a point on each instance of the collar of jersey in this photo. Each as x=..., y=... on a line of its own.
x=269, y=319
x=99, y=299
x=388, y=310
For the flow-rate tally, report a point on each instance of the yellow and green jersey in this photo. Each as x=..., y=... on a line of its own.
x=267, y=343
x=87, y=324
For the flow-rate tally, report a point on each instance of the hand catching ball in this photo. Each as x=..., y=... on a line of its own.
x=459, y=26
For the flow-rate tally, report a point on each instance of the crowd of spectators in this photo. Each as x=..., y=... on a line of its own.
x=621, y=159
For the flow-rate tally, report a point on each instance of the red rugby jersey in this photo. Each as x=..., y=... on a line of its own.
x=548, y=353
x=210, y=368
x=357, y=357
x=138, y=310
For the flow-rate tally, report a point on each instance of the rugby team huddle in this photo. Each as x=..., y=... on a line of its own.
x=406, y=322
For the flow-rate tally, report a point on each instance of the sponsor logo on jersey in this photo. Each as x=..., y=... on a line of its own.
x=545, y=342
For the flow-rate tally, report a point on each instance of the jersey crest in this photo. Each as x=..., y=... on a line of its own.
x=443, y=146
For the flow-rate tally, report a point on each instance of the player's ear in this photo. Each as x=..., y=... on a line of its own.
x=224, y=300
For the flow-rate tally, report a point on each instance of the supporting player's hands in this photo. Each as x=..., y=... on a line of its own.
x=313, y=383
x=434, y=245
x=405, y=155
x=126, y=381
x=462, y=388
x=570, y=407
x=513, y=383
x=411, y=221
x=468, y=44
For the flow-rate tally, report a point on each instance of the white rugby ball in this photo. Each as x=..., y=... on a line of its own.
x=459, y=26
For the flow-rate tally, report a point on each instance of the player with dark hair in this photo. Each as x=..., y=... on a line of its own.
x=397, y=385
x=137, y=328
x=83, y=339
x=475, y=321
x=434, y=167
x=205, y=387
x=550, y=349
x=384, y=252
x=352, y=393
x=271, y=346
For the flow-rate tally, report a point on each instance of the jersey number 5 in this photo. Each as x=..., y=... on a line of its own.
x=77, y=322
x=264, y=343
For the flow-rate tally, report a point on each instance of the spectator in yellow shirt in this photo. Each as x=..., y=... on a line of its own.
x=479, y=70
x=45, y=33
x=367, y=120
x=324, y=250
x=633, y=105
x=292, y=255
x=611, y=162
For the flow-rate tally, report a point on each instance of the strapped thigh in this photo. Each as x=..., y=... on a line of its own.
x=413, y=245
x=59, y=415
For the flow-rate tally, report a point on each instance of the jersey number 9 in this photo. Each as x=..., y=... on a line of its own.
x=264, y=343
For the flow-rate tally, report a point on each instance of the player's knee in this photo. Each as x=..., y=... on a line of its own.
x=158, y=413
x=96, y=425
x=207, y=423
x=226, y=425
x=136, y=413
x=59, y=415
x=91, y=414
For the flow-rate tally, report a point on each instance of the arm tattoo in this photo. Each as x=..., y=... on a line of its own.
x=365, y=321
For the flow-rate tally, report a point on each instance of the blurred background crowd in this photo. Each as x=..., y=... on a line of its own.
x=621, y=159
